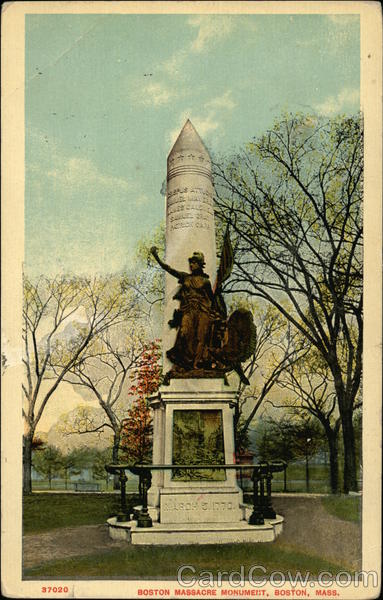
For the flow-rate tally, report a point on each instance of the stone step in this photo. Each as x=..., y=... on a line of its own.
x=195, y=533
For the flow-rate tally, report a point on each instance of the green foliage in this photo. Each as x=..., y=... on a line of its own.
x=77, y=459
x=99, y=459
x=155, y=238
x=293, y=200
x=48, y=462
x=52, y=463
x=150, y=280
x=289, y=438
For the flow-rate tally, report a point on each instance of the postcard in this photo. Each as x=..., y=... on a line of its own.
x=191, y=299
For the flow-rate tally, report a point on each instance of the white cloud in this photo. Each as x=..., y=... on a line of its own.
x=154, y=93
x=210, y=29
x=158, y=93
x=348, y=98
x=50, y=163
x=206, y=122
x=342, y=33
x=78, y=172
x=173, y=66
x=222, y=102
x=161, y=92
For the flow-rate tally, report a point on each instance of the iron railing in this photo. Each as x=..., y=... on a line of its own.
x=262, y=475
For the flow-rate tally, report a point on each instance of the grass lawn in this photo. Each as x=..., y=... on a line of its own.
x=347, y=508
x=154, y=562
x=319, y=479
x=43, y=512
x=58, y=484
x=298, y=471
x=296, y=481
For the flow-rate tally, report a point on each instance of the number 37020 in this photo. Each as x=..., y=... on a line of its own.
x=56, y=589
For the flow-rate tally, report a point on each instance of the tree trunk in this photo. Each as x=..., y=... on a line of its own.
x=115, y=450
x=27, y=463
x=332, y=439
x=307, y=473
x=349, y=470
x=345, y=405
x=285, y=479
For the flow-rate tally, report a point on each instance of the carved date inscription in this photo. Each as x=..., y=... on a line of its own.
x=200, y=508
x=173, y=505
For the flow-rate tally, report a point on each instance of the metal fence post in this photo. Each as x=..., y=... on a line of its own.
x=124, y=514
x=268, y=511
x=144, y=519
x=256, y=517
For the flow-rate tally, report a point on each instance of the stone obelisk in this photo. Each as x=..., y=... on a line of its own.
x=192, y=412
x=190, y=228
x=189, y=217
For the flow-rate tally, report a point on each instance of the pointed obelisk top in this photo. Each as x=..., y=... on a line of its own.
x=189, y=139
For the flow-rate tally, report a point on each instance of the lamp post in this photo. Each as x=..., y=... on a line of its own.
x=308, y=440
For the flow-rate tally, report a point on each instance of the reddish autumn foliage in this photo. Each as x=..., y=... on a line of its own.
x=136, y=438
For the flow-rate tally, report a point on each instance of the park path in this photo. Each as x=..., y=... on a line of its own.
x=308, y=526
x=66, y=542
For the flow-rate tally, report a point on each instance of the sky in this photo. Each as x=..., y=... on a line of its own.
x=106, y=96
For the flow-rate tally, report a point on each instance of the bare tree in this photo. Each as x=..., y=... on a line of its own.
x=61, y=317
x=312, y=392
x=275, y=349
x=310, y=381
x=105, y=369
x=293, y=201
x=150, y=279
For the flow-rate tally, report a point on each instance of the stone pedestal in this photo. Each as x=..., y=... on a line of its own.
x=190, y=511
x=179, y=497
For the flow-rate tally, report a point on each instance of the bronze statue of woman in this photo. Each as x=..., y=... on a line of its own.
x=195, y=314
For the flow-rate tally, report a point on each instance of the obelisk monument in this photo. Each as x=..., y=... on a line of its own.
x=194, y=496
x=196, y=404
x=189, y=217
